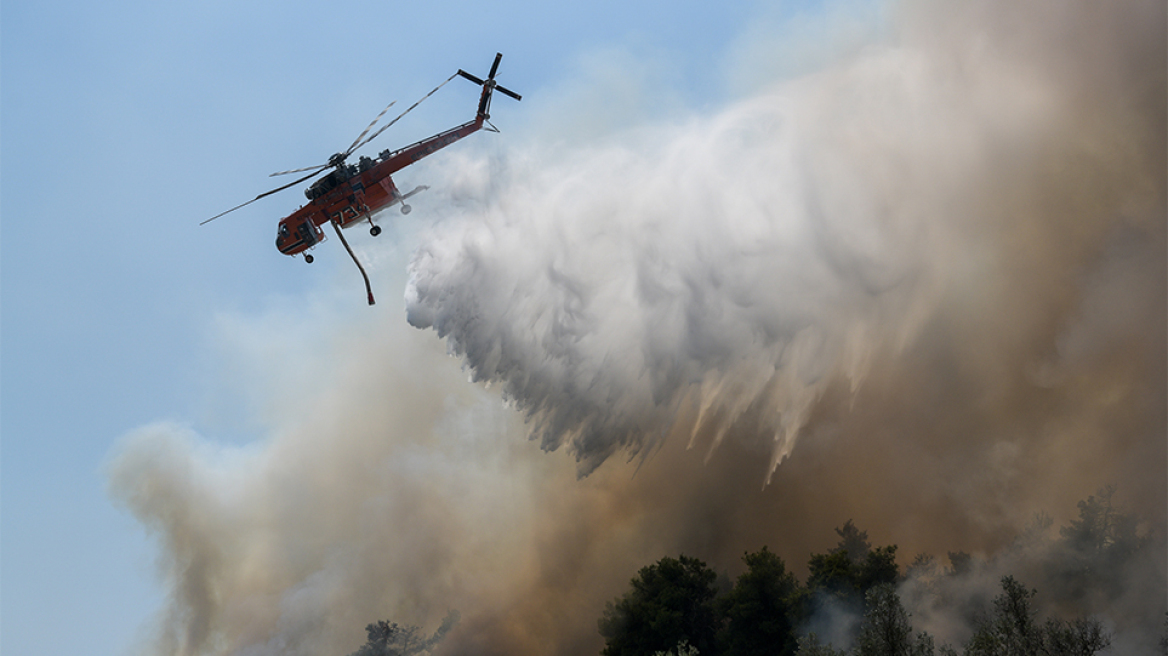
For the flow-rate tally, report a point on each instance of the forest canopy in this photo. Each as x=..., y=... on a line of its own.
x=857, y=600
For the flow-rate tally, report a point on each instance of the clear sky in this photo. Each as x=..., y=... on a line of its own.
x=124, y=124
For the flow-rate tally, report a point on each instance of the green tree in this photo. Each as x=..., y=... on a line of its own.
x=853, y=542
x=833, y=573
x=670, y=601
x=847, y=572
x=960, y=563
x=1095, y=548
x=1164, y=637
x=682, y=648
x=761, y=609
x=886, y=630
x=1013, y=630
x=390, y=639
x=1099, y=525
x=809, y=646
x=1074, y=638
x=877, y=568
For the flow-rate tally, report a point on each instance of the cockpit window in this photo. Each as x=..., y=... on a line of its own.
x=283, y=229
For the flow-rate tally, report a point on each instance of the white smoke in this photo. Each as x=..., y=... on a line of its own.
x=731, y=264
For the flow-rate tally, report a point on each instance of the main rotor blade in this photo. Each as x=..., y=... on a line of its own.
x=356, y=144
x=399, y=116
x=307, y=168
x=361, y=136
x=470, y=77
x=266, y=193
x=495, y=66
x=379, y=131
x=507, y=92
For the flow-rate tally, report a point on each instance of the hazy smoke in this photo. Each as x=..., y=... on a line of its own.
x=938, y=262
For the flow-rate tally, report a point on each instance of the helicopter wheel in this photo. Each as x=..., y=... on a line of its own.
x=405, y=209
x=375, y=230
x=308, y=258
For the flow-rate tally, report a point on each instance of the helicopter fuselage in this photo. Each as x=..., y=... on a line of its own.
x=350, y=194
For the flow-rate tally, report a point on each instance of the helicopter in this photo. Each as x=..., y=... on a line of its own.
x=350, y=194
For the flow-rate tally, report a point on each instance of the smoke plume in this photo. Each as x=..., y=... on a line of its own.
x=923, y=286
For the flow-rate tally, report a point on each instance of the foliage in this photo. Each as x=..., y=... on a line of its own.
x=1094, y=548
x=853, y=565
x=886, y=630
x=1099, y=525
x=674, y=608
x=1164, y=637
x=760, y=608
x=922, y=565
x=670, y=601
x=843, y=576
x=833, y=573
x=960, y=563
x=809, y=646
x=853, y=542
x=682, y=648
x=1078, y=637
x=1012, y=630
x=878, y=568
x=390, y=639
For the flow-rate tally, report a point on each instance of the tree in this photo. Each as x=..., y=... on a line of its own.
x=760, y=610
x=1012, y=630
x=877, y=568
x=833, y=573
x=886, y=630
x=1078, y=637
x=670, y=601
x=845, y=574
x=683, y=648
x=1099, y=525
x=853, y=542
x=960, y=563
x=390, y=639
x=1094, y=548
x=809, y=646
x=1164, y=637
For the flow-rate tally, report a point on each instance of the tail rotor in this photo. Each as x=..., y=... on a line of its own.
x=489, y=85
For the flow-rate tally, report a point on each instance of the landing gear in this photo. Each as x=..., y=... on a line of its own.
x=406, y=208
x=375, y=230
x=308, y=258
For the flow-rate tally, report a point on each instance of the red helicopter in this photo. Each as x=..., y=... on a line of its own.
x=352, y=193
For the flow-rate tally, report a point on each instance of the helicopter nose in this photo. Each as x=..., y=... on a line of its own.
x=283, y=240
x=282, y=236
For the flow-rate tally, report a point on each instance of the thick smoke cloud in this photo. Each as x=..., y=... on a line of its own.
x=697, y=268
x=927, y=278
x=732, y=267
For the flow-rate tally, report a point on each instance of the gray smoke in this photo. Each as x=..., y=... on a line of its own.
x=928, y=278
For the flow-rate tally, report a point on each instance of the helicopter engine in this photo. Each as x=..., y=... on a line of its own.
x=329, y=182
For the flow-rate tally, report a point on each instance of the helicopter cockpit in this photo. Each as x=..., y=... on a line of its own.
x=292, y=240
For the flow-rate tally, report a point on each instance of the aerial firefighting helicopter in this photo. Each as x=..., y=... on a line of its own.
x=352, y=193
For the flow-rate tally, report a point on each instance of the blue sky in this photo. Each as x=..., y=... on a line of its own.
x=126, y=123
